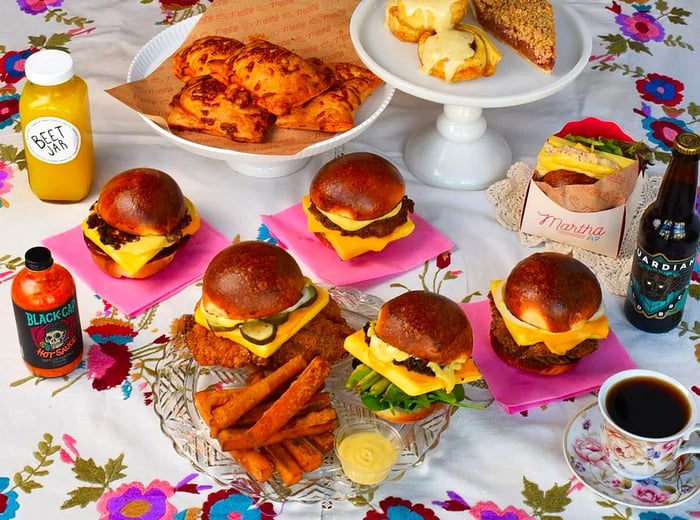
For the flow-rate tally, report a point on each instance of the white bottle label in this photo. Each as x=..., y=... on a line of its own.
x=52, y=140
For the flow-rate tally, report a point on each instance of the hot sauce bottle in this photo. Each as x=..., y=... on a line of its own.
x=56, y=128
x=46, y=315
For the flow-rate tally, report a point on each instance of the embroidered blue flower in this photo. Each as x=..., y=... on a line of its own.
x=660, y=89
x=9, y=110
x=8, y=500
x=264, y=234
x=653, y=515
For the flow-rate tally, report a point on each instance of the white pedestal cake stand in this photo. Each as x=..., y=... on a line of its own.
x=458, y=150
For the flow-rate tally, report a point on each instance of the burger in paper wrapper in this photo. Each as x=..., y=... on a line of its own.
x=589, y=165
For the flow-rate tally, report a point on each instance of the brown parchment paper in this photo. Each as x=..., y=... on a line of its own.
x=609, y=192
x=311, y=28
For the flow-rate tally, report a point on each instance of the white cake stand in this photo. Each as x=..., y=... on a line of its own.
x=458, y=150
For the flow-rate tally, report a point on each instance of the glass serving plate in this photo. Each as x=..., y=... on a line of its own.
x=178, y=377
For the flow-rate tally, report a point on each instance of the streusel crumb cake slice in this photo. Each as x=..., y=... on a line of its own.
x=525, y=25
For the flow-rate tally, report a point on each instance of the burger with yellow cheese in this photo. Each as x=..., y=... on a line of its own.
x=357, y=203
x=258, y=309
x=138, y=223
x=547, y=314
x=413, y=358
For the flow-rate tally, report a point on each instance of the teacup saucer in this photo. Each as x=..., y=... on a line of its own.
x=586, y=457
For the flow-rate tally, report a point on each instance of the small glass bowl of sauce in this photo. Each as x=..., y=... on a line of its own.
x=367, y=450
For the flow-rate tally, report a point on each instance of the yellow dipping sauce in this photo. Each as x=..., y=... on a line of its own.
x=366, y=456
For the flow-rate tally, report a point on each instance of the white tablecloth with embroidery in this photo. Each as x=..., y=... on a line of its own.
x=90, y=445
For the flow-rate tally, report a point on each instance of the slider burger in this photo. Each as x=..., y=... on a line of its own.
x=547, y=315
x=413, y=357
x=138, y=223
x=357, y=203
x=573, y=159
x=258, y=309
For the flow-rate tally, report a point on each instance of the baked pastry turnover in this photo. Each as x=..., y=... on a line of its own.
x=207, y=105
x=193, y=59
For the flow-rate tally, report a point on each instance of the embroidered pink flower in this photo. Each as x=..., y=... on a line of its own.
x=229, y=504
x=37, y=6
x=641, y=27
x=134, y=501
x=5, y=175
x=108, y=364
x=660, y=89
x=489, y=511
x=9, y=110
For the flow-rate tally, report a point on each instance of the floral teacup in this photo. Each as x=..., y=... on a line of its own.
x=640, y=436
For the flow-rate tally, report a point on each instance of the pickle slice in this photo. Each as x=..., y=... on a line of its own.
x=259, y=332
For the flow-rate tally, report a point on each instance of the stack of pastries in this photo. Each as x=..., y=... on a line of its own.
x=241, y=90
x=447, y=49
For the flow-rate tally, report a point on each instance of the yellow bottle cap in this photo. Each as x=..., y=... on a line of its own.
x=687, y=143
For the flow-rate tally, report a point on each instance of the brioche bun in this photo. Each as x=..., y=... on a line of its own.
x=359, y=186
x=142, y=201
x=251, y=279
x=427, y=326
x=552, y=292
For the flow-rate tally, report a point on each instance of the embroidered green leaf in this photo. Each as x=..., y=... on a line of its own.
x=677, y=41
x=638, y=47
x=25, y=479
x=58, y=41
x=114, y=469
x=617, y=44
x=13, y=155
x=87, y=471
x=554, y=500
x=59, y=15
x=83, y=496
x=694, y=109
x=469, y=297
x=678, y=15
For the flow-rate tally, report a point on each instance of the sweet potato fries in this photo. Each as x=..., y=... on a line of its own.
x=281, y=422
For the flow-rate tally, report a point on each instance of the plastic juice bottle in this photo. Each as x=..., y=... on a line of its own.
x=55, y=115
x=46, y=315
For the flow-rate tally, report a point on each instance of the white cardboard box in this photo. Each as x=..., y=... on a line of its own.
x=601, y=231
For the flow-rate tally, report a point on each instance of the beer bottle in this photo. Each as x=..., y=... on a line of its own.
x=46, y=315
x=666, y=244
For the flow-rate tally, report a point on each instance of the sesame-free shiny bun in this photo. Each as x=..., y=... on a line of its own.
x=552, y=291
x=142, y=201
x=359, y=186
x=251, y=279
x=426, y=325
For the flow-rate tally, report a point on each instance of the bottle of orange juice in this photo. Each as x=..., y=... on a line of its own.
x=46, y=315
x=54, y=112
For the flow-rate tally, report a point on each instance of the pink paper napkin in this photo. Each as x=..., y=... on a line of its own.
x=517, y=390
x=134, y=296
x=289, y=227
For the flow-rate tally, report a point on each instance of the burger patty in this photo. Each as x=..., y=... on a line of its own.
x=111, y=236
x=379, y=228
x=166, y=251
x=323, y=336
x=537, y=354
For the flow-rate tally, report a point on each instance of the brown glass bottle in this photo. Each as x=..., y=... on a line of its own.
x=666, y=244
x=46, y=315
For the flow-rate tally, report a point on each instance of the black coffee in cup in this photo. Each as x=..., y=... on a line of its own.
x=648, y=407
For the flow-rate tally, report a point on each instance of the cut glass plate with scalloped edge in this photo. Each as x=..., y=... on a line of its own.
x=178, y=377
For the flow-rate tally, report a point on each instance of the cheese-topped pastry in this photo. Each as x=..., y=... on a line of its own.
x=462, y=53
x=431, y=15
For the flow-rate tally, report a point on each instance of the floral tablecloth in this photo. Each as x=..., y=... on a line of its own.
x=90, y=445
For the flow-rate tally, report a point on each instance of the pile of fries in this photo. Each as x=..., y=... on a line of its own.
x=281, y=421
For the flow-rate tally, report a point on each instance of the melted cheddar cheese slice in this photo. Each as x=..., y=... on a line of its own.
x=557, y=342
x=348, y=247
x=412, y=383
x=296, y=320
x=132, y=256
x=559, y=153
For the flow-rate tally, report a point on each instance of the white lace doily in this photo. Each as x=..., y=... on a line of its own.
x=508, y=195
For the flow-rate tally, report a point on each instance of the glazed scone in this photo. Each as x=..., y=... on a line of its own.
x=431, y=15
x=462, y=53
x=525, y=25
